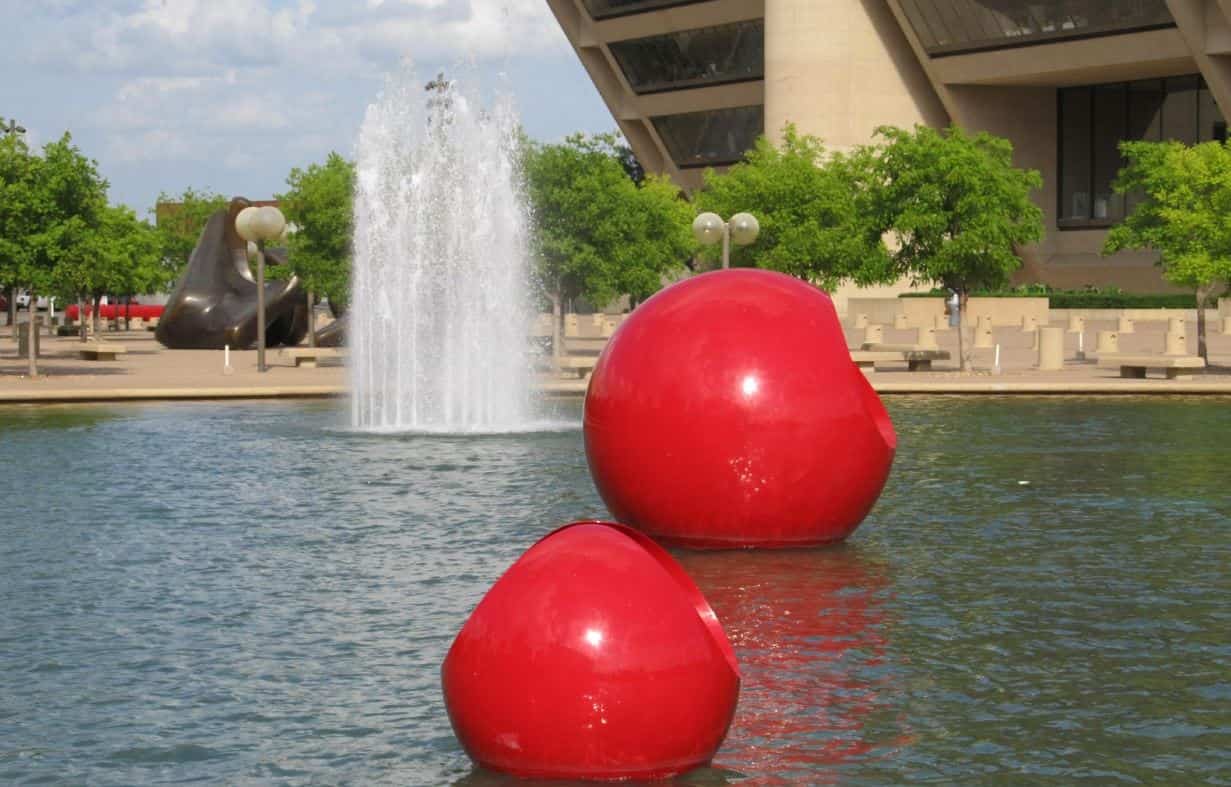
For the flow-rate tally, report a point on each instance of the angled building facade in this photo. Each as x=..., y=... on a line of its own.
x=692, y=83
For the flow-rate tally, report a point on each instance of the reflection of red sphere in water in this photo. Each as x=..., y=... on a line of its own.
x=594, y=656
x=808, y=629
x=726, y=412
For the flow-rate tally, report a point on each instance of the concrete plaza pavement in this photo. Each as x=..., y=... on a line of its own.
x=149, y=371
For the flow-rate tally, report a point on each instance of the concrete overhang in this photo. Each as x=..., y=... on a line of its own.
x=673, y=20
x=1151, y=53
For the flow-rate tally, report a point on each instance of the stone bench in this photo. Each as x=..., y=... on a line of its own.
x=101, y=352
x=916, y=360
x=583, y=365
x=1135, y=366
x=577, y=345
x=309, y=356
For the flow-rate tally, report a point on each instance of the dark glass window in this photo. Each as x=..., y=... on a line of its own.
x=1110, y=119
x=601, y=9
x=1094, y=120
x=947, y=27
x=702, y=139
x=1075, y=135
x=691, y=58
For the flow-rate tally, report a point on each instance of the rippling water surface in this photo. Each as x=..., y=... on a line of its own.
x=253, y=594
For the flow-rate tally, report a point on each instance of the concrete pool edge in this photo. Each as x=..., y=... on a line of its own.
x=577, y=389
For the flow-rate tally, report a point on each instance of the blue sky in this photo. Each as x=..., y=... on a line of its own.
x=230, y=94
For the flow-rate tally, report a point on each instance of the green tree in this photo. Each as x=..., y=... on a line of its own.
x=18, y=185
x=956, y=206
x=121, y=256
x=1183, y=216
x=70, y=198
x=811, y=205
x=599, y=234
x=180, y=219
x=319, y=205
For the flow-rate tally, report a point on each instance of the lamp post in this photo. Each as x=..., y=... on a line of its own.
x=11, y=128
x=742, y=229
x=258, y=225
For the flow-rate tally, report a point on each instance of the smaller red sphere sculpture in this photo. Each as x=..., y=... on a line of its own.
x=726, y=412
x=593, y=657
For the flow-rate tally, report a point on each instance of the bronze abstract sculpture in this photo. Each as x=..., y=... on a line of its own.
x=214, y=303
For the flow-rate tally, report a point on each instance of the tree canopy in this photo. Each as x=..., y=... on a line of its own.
x=180, y=219
x=955, y=205
x=811, y=205
x=599, y=234
x=1183, y=214
x=319, y=204
x=123, y=256
x=19, y=173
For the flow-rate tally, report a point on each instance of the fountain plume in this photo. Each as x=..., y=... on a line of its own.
x=440, y=312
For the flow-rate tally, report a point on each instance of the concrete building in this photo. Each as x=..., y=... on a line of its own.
x=691, y=83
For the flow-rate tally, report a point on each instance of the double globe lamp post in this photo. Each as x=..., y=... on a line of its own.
x=258, y=225
x=742, y=229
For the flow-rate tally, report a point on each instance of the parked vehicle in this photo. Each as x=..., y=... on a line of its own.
x=23, y=301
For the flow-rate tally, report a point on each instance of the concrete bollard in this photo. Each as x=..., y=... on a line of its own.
x=1226, y=326
x=874, y=334
x=572, y=325
x=1077, y=324
x=1175, y=325
x=940, y=322
x=861, y=321
x=1051, y=348
x=1029, y=323
x=1125, y=325
x=1176, y=344
x=900, y=322
x=1107, y=342
x=983, y=331
x=927, y=339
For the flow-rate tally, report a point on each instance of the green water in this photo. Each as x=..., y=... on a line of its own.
x=252, y=593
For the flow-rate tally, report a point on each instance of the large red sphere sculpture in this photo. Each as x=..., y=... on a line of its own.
x=726, y=412
x=595, y=657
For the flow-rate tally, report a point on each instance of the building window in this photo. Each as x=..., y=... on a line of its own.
x=1094, y=120
x=693, y=58
x=950, y=27
x=602, y=9
x=714, y=137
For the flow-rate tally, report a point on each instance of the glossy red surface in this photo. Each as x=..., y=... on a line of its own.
x=595, y=657
x=726, y=412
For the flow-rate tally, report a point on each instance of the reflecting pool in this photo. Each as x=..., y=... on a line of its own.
x=252, y=593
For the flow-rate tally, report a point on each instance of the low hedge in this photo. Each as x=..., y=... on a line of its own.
x=1082, y=299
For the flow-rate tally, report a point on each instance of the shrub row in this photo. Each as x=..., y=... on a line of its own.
x=1082, y=299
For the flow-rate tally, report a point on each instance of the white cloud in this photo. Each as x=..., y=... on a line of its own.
x=195, y=86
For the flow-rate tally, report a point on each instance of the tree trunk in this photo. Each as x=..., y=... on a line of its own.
x=557, y=326
x=1203, y=295
x=11, y=297
x=94, y=316
x=128, y=310
x=82, y=325
x=964, y=358
x=311, y=319
x=32, y=337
